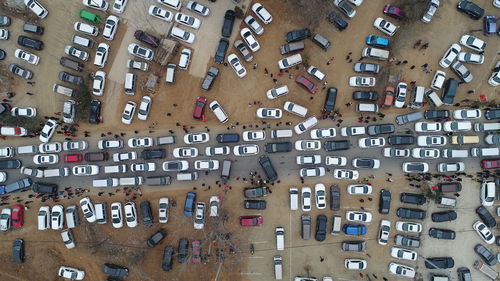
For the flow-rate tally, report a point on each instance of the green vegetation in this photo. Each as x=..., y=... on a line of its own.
x=30, y=123
x=83, y=99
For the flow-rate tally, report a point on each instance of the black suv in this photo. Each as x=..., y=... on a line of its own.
x=227, y=25
x=436, y=114
x=297, y=35
x=486, y=216
x=30, y=43
x=146, y=214
x=18, y=251
x=320, y=228
x=95, y=112
x=439, y=263
x=337, y=20
x=114, y=270
x=220, y=53
x=331, y=97
x=412, y=198
x=408, y=213
x=168, y=254
x=492, y=114
x=384, y=203
x=44, y=187
x=255, y=204
x=274, y=147
x=147, y=154
x=374, y=130
x=334, y=197
x=10, y=164
x=268, y=168
x=365, y=95
x=156, y=238
x=337, y=145
x=444, y=216
x=182, y=250
x=485, y=254
x=440, y=233
x=401, y=140
x=470, y=9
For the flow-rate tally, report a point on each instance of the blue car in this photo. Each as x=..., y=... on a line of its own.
x=189, y=204
x=489, y=25
x=377, y=41
x=354, y=229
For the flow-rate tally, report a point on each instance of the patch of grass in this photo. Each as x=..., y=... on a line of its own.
x=31, y=124
x=83, y=99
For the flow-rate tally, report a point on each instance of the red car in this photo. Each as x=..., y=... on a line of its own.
x=490, y=163
x=251, y=221
x=196, y=246
x=199, y=107
x=394, y=12
x=306, y=83
x=17, y=216
x=389, y=97
x=73, y=158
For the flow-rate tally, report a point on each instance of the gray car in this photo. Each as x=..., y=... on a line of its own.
x=209, y=79
x=430, y=11
x=407, y=241
x=247, y=55
x=365, y=67
x=20, y=71
x=356, y=246
x=4, y=21
x=409, y=117
x=70, y=78
x=462, y=72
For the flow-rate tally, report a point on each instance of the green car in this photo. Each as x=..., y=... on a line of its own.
x=93, y=18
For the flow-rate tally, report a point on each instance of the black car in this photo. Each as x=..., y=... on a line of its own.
x=439, y=263
x=337, y=145
x=485, y=254
x=70, y=78
x=182, y=250
x=30, y=43
x=274, y=147
x=409, y=213
x=464, y=274
x=147, y=38
x=384, y=203
x=168, y=258
x=268, y=168
x=320, y=228
x=10, y=164
x=156, y=238
x=401, y=140
x=3, y=54
x=148, y=154
x=114, y=270
x=337, y=20
x=225, y=138
x=95, y=112
x=436, y=114
x=486, y=216
x=220, y=53
x=470, y=9
x=412, y=198
x=227, y=25
x=146, y=214
x=365, y=67
x=365, y=95
x=374, y=130
x=331, y=97
x=297, y=35
x=255, y=204
x=18, y=251
x=334, y=197
x=492, y=114
x=440, y=233
x=44, y=187
x=444, y=216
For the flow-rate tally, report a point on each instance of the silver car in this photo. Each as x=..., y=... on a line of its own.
x=462, y=72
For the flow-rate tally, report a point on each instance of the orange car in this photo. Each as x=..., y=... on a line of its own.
x=389, y=97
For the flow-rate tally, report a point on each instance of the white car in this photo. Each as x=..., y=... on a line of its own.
x=355, y=264
x=199, y=216
x=4, y=34
x=427, y=127
x=305, y=125
x=487, y=193
x=143, y=167
x=5, y=220
x=160, y=13
x=99, y=83
x=23, y=111
x=467, y=114
x=400, y=99
x=32, y=172
x=432, y=140
x=295, y=109
x=307, y=145
x=141, y=52
x=255, y=135
x=175, y=165
x=109, y=144
x=214, y=206
x=262, y=13
x=101, y=55
x=119, y=6
x=361, y=81
x=336, y=160
x=415, y=167
x=235, y=63
x=48, y=130
x=248, y=37
x=371, y=142
x=163, y=210
x=110, y=27
x=277, y=92
x=358, y=216
x=438, y=80
x=308, y=159
x=27, y=56
x=384, y=230
x=185, y=152
x=320, y=195
x=366, y=163
x=206, y=165
x=195, y=138
x=85, y=170
x=344, y=174
x=323, y=133
x=394, y=152
x=144, y=108
x=140, y=142
x=218, y=111
x=462, y=71
x=270, y=113
x=484, y=232
x=457, y=126
x=409, y=226
x=182, y=35
x=128, y=112
x=57, y=217
x=217, y=150
x=116, y=215
x=43, y=217
x=36, y=8
x=425, y=153
x=51, y=147
x=130, y=214
x=49, y=159
x=88, y=209
x=187, y=20
x=359, y=189
x=312, y=172
x=403, y=254
x=495, y=75
x=352, y=131
x=96, y=4
x=401, y=270
x=473, y=43
x=385, y=26
x=306, y=199
x=198, y=8
x=451, y=167
x=254, y=25
x=470, y=58
x=67, y=238
x=70, y=272
x=316, y=73
x=246, y=150
x=450, y=55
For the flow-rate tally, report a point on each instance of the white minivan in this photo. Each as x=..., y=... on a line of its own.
x=86, y=28
x=280, y=238
x=295, y=109
x=185, y=59
x=218, y=112
x=294, y=198
x=278, y=267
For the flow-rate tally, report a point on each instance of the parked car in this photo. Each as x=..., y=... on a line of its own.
x=470, y=9
x=385, y=26
x=297, y=35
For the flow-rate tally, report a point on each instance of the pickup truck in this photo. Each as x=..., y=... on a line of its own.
x=488, y=271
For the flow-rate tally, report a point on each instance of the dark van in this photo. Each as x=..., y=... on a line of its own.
x=28, y=27
x=146, y=214
x=44, y=187
x=450, y=90
x=449, y=187
x=331, y=97
x=224, y=138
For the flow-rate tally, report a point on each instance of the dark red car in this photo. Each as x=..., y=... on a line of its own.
x=199, y=107
x=251, y=221
x=17, y=216
x=394, y=12
x=73, y=158
x=490, y=163
x=196, y=253
x=147, y=38
x=306, y=83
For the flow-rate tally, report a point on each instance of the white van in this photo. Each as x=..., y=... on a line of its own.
x=484, y=151
x=86, y=28
x=185, y=59
x=374, y=53
x=131, y=180
x=170, y=76
x=336, y=225
x=27, y=149
x=367, y=107
x=44, y=218
x=72, y=219
x=480, y=127
x=82, y=41
x=439, y=277
x=280, y=238
x=294, y=198
x=130, y=79
x=290, y=61
x=109, y=182
x=433, y=98
x=455, y=153
x=295, y=109
x=417, y=97
x=165, y=140
x=57, y=172
x=63, y=90
x=115, y=169
x=101, y=212
x=218, y=112
x=278, y=267
x=277, y=134
x=174, y=4
x=187, y=176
